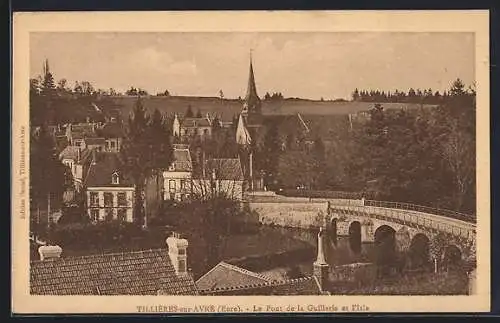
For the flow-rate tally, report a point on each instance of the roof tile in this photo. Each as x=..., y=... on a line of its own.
x=109, y=274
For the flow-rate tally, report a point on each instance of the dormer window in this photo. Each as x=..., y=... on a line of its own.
x=115, y=178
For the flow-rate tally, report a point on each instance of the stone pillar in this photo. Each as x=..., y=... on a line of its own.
x=367, y=234
x=320, y=266
x=342, y=228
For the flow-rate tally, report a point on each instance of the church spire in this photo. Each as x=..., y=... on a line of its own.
x=252, y=100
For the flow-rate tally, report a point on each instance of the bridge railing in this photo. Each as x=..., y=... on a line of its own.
x=466, y=230
x=423, y=209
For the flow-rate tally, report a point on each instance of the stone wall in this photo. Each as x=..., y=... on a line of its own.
x=290, y=214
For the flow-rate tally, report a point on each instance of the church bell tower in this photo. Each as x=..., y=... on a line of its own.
x=252, y=103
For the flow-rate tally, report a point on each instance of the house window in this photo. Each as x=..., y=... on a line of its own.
x=108, y=199
x=94, y=215
x=171, y=185
x=112, y=144
x=115, y=178
x=122, y=215
x=183, y=184
x=109, y=214
x=122, y=199
x=182, y=266
x=182, y=251
x=94, y=199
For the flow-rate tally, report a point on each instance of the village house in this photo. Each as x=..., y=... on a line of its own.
x=231, y=280
x=92, y=143
x=76, y=133
x=187, y=128
x=113, y=135
x=114, y=273
x=177, y=177
x=168, y=274
x=109, y=192
x=221, y=177
x=78, y=161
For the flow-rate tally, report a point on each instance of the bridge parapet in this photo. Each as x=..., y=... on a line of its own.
x=422, y=209
x=412, y=218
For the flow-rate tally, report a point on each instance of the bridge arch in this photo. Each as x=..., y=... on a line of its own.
x=333, y=230
x=419, y=251
x=452, y=257
x=385, y=247
x=355, y=236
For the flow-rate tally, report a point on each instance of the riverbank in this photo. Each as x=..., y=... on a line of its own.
x=424, y=283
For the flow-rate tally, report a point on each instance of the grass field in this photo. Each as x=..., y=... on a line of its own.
x=227, y=109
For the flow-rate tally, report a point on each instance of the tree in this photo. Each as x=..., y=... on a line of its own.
x=135, y=152
x=62, y=86
x=207, y=224
x=142, y=92
x=48, y=85
x=160, y=154
x=436, y=249
x=270, y=154
x=296, y=169
x=355, y=95
x=189, y=112
x=87, y=88
x=319, y=167
x=132, y=91
x=147, y=151
x=47, y=178
x=198, y=114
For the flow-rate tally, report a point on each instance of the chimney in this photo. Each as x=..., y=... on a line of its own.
x=177, y=252
x=49, y=252
x=320, y=266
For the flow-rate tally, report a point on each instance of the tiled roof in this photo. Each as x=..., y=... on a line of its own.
x=224, y=276
x=61, y=143
x=182, y=160
x=70, y=152
x=112, y=130
x=226, y=168
x=194, y=122
x=131, y=273
x=101, y=171
x=82, y=130
x=95, y=141
x=299, y=286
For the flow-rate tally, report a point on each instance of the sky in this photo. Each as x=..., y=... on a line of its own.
x=327, y=65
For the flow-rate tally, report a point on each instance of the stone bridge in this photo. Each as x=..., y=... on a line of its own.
x=412, y=228
x=409, y=228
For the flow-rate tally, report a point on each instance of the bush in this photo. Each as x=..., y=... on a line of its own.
x=95, y=235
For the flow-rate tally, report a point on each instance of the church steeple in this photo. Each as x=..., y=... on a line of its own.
x=252, y=101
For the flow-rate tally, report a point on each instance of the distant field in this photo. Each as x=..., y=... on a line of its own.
x=227, y=109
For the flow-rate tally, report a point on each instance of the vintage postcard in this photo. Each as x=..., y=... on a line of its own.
x=251, y=162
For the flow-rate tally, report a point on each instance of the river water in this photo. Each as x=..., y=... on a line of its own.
x=279, y=240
